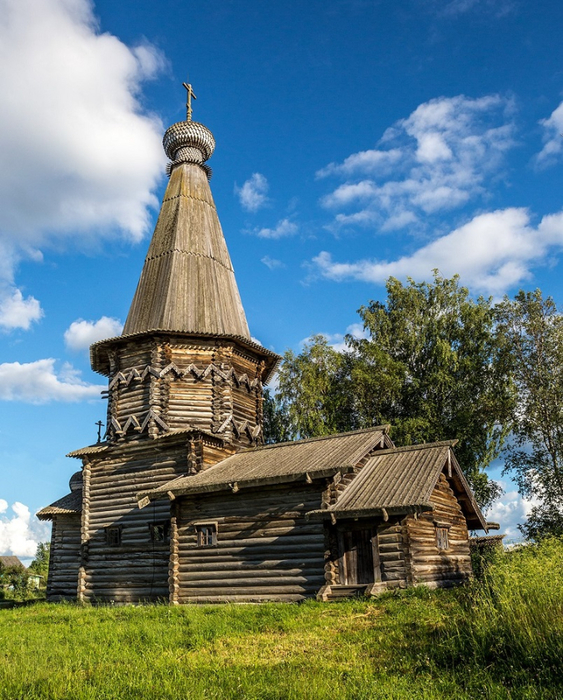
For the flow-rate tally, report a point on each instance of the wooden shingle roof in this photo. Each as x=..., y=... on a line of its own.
x=401, y=480
x=67, y=505
x=279, y=463
x=188, y=282
x=9, y=561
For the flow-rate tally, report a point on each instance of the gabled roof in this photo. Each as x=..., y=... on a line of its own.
x=401, y=480
x=67, y=505
x=10, y=561
x=281, y=462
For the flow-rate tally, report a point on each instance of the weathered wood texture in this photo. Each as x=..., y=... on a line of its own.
x=266, y=548
x=165, y=383
x=137, y=568
x=188, y=282
x=62, y=580
x=426, y=563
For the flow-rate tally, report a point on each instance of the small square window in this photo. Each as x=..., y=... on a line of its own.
x=206, y=534
x=113, y=536
x=159, y=531
x=442, y=538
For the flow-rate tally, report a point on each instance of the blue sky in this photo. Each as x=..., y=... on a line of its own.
x=356, y=139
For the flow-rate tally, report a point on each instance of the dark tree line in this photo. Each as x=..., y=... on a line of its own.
x=437, y=364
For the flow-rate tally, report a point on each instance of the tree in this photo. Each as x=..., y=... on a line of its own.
x=274, y=419
x=14, y=579
x=313, y=396
x=532, y=329
x=40, y=565
x=431, y=365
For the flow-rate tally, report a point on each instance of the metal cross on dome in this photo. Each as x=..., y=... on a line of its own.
x=190, y=94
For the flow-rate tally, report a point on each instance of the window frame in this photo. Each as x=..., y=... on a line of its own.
x=442, y=536
x=165, y=525
x=206, y=534
x=110, y=530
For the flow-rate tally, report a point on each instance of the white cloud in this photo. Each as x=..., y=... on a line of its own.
x=283, y=229
x=19, y=535
x=272, y=263
x=491, y=253
x=553, y=140
x=17, y=312
x=37, y=383
x=336, y=340
x=81, y=334
x=253, y=193
x=78, y=157
x=372, y=161
x=509, y=511
x=437, y=159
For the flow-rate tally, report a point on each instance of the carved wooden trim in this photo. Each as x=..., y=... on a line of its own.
x=191, y=370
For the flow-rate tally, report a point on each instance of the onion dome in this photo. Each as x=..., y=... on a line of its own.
x=188, y=141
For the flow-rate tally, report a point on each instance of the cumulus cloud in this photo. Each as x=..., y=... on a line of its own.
x=437, y=159
x=253, y=193
x=19, y=535
x=37, y=382
x=79, y=159
x=272, y=263
x=282, y=229
x=491, y=253
x=17, y=312
x=553, y=141
x=81, y=334
x=510, y=511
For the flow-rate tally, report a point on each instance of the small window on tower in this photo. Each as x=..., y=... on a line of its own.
x=159, y=531
x=206, y=534
x=113, y=536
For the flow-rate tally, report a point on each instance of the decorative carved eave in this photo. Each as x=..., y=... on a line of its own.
x=100, y=360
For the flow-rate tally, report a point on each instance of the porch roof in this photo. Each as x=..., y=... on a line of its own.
x=279, y=463
x=401, y=480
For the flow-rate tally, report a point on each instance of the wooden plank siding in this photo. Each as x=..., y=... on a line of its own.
x=428, y=564
x=266, y=549
x=64, y=563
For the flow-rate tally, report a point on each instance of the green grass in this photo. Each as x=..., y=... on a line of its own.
x=498, y=638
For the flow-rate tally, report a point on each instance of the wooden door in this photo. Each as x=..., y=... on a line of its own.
x=359, y=556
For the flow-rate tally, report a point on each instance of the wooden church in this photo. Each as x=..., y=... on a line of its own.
x=184, y=502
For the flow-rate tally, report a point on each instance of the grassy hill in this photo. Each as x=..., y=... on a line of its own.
x=501, y=637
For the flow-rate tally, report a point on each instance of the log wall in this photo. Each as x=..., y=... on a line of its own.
x=137, y=569
x=426, y=563
x=64, y=562
x=393, y=551
x=266, y=549
x=162, y=384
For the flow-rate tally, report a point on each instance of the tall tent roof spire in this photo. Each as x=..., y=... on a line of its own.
x=188, y=282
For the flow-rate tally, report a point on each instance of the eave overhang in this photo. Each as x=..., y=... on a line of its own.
x=99, y=351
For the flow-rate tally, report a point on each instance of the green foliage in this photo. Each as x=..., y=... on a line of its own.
x=532, y=330
x=40, y=565
x=274, y=420
x=431, y=365
x=496, y=640
x=14, y=582
x=513, y=616
x=313, y=393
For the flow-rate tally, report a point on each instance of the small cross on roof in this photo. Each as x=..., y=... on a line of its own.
x=189, y=96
